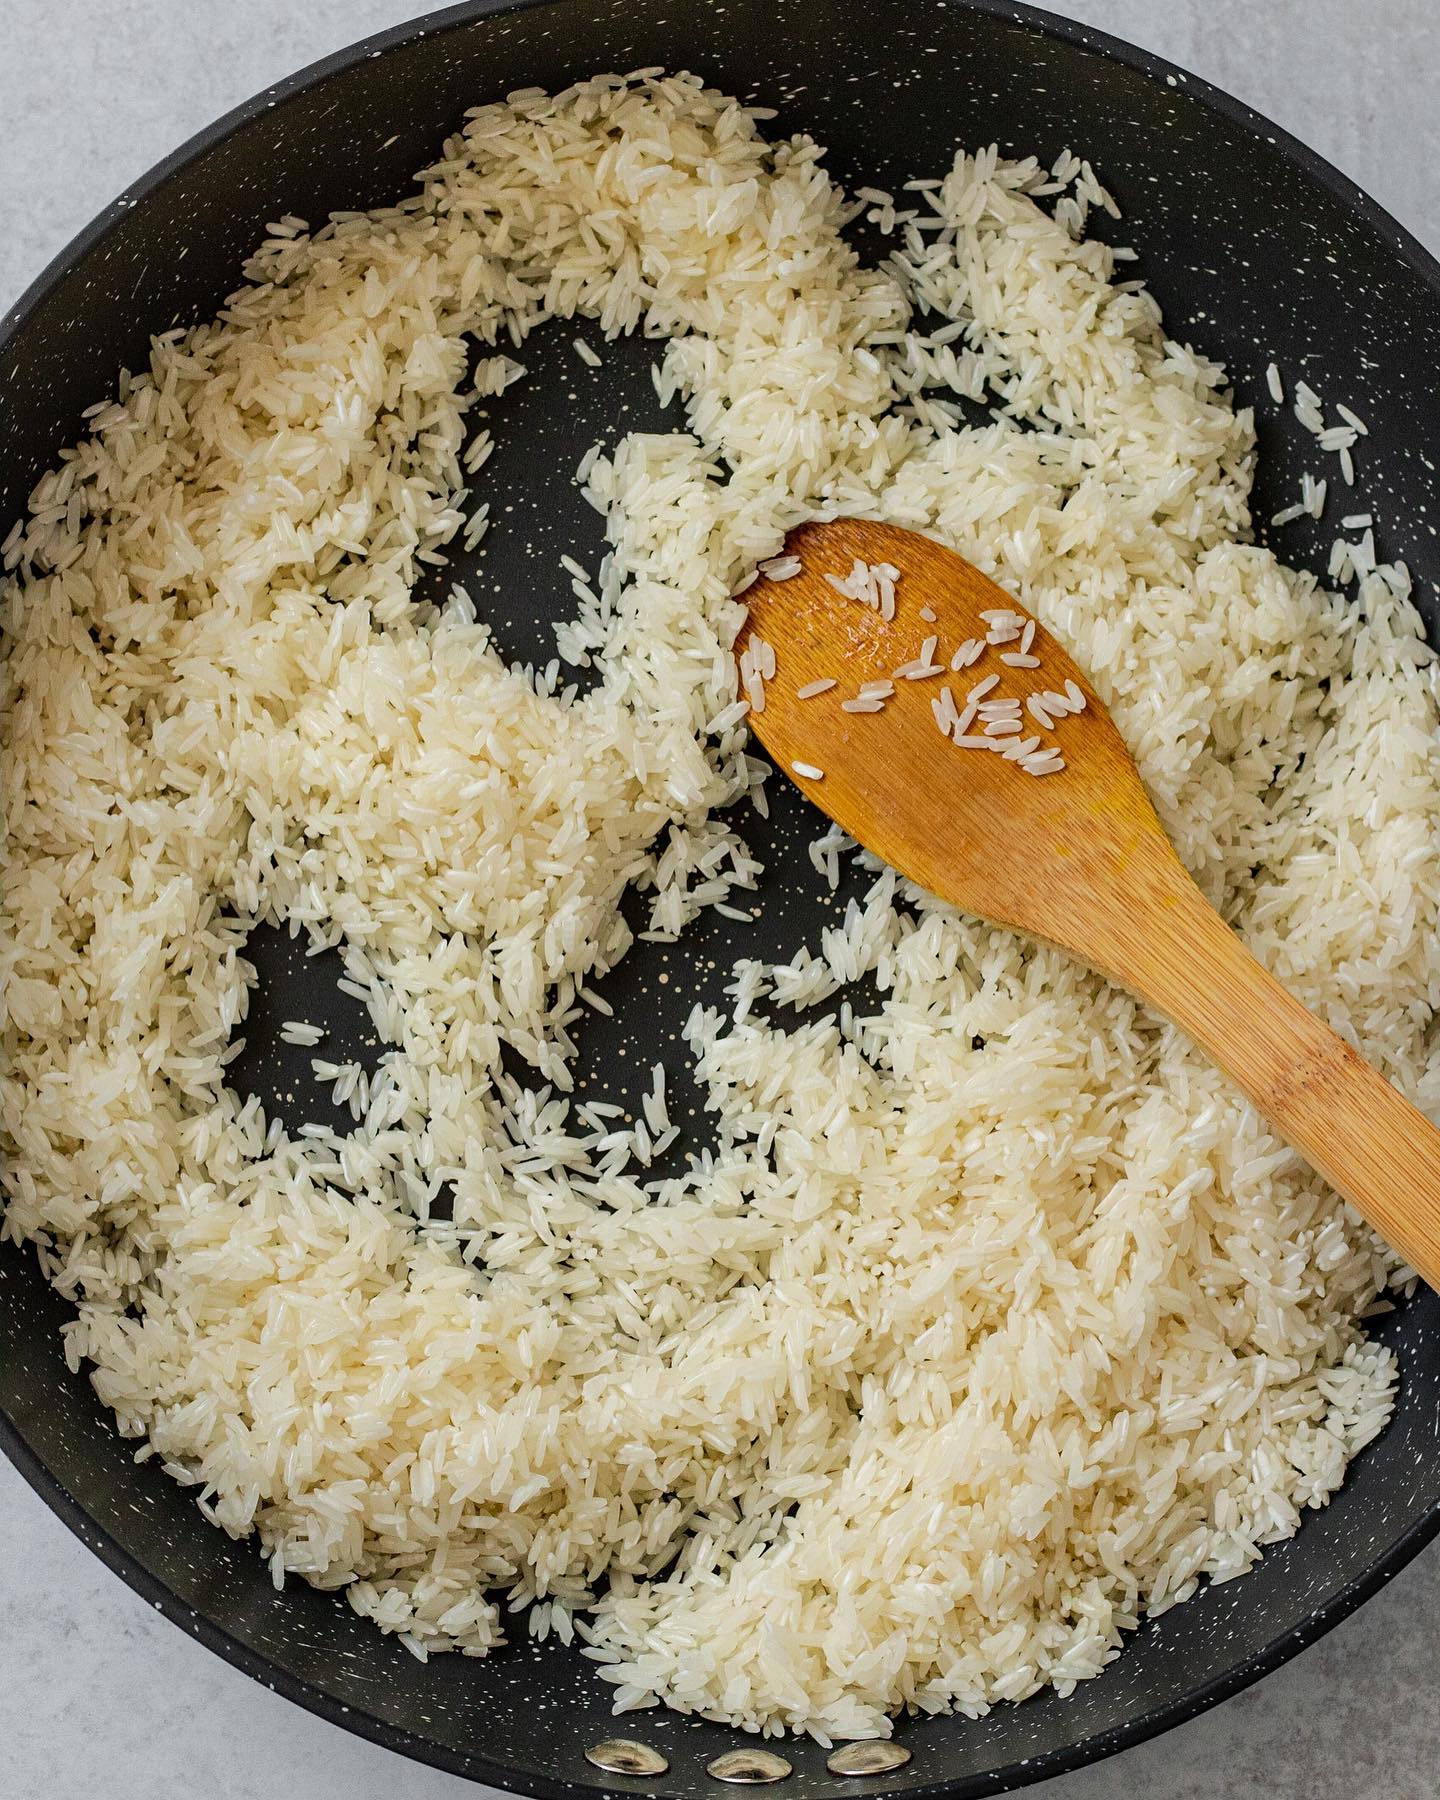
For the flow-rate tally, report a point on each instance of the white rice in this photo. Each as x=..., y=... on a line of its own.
x=300, y=1031
x=950, y=1362
x=873, y=584
x=1312, y=495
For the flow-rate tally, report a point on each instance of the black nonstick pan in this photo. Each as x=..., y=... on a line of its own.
x=1255, y=248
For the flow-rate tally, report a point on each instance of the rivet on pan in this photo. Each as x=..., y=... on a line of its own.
x=749, y=1767
x=624, y=1756
x=876, y=1757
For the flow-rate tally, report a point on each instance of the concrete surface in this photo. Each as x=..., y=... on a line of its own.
x=101, y=1697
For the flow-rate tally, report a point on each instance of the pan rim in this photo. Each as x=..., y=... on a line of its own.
x=98, y=1538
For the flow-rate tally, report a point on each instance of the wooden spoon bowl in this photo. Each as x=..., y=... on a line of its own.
x=1076, y=856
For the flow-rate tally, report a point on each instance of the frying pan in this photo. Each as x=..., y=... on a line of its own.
x=1255, y=248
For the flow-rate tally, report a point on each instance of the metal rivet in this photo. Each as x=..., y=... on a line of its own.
x=624, y=1756
x=876, y=1757
x=750, y=1767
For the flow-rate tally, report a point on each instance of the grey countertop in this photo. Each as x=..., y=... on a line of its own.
x=101, y=1697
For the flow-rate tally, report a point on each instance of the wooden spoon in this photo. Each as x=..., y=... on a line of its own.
x=1076, y=857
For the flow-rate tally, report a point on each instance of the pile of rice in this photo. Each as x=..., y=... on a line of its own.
x=998, y=1319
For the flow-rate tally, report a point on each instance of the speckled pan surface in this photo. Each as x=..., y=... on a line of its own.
x=1256, y=250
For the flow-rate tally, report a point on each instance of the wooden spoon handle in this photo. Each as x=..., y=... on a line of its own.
x=1369, y=1143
